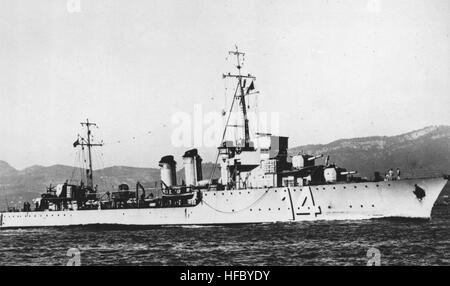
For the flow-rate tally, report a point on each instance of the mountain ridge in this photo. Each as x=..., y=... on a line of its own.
x=419, y=153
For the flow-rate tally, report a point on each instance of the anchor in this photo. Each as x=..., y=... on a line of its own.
x=419, y=192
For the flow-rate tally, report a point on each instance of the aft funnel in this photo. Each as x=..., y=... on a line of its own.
x=168, y=171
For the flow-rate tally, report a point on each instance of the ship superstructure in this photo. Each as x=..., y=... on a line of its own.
x=258, y=183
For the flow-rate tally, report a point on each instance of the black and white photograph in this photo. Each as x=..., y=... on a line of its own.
x=228, y=133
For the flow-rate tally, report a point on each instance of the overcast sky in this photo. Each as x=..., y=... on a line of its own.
x=331, y=69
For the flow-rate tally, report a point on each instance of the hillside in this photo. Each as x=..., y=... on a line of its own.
x=418, y=153
x=6, y=169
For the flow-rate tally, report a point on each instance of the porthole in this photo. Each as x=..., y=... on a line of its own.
x=345, y=187
x=355, y=187
x=350, y=206
x=377, y=185
x=259, y=209
x=373, y=206
x=269, y=209
x=334, y=188
x=366, y=186
x=231, y=193
x=329, y=207
x=324, y=188
x=361, y=205
x=279, y=209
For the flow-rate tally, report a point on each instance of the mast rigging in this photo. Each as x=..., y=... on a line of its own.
x=89, y=145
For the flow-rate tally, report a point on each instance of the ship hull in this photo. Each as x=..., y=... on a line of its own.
x=350, y=201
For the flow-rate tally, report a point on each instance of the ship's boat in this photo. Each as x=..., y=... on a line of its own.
x=259, y=182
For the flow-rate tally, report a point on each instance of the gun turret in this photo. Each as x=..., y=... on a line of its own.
x=304, y=160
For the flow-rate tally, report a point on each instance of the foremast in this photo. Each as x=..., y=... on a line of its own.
x=240, y=94
x=231, y=165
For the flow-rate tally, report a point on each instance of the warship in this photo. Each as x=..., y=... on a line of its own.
x=257, y=184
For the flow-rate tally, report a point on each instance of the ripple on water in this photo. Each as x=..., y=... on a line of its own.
x=401, y=242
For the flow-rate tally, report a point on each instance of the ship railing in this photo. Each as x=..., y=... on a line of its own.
x=412, y=174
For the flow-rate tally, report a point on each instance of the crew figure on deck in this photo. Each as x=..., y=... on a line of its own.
x=390, y=175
